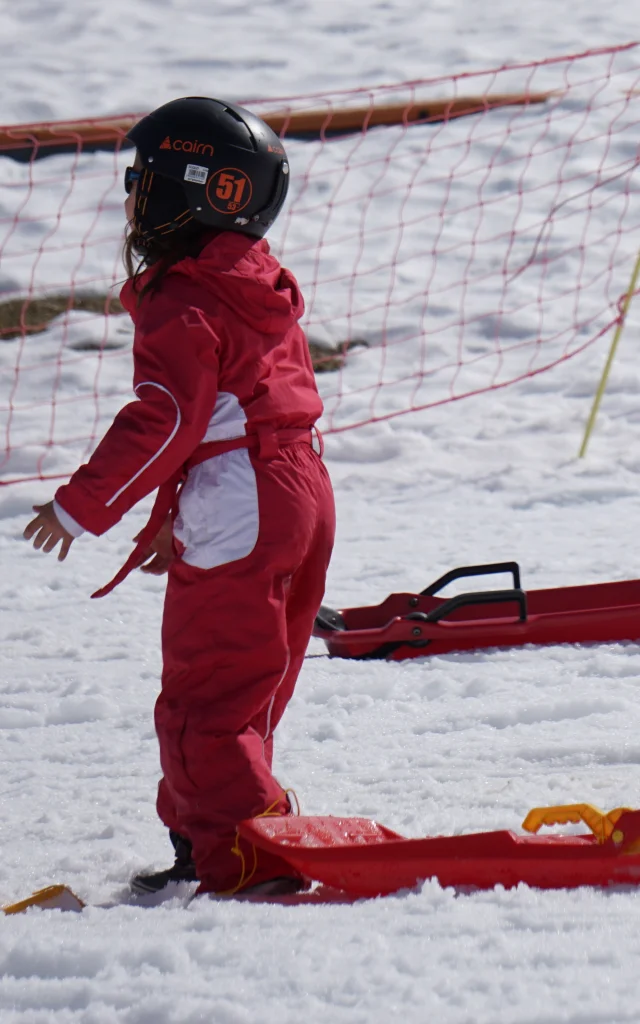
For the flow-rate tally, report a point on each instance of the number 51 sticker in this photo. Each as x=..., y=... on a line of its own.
x=229, y=190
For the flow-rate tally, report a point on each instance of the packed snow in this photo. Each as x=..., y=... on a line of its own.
x=443, y=745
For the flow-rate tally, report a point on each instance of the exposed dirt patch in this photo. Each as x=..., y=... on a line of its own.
x=35, y=315
x=32, y=316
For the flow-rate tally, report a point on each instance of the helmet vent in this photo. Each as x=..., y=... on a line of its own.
x=237, y=117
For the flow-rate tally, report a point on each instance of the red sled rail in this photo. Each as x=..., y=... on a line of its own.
x=364, y=859
x=415, y=625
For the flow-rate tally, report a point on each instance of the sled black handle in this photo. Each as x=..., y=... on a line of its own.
x=329, y=620
x=478, y=597
x=474, y=570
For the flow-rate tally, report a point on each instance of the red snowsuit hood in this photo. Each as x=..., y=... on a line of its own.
x=243, y=275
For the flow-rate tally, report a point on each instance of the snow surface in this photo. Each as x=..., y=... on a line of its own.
x=450, y=744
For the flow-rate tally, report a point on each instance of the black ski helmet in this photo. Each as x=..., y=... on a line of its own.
x=231, y=168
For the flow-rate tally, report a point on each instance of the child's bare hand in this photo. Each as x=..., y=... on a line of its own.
x=160, y=553
x=48, y=531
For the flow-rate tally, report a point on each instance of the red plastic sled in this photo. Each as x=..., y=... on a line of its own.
x=414, y=625
x=364, y=859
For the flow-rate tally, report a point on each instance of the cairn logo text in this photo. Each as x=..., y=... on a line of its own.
x=188, y=146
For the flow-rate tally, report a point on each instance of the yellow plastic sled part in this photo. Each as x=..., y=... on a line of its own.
x=601, y=823
x=54, y=897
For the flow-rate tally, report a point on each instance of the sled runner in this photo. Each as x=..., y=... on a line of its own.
x=54, y=897
x=415, y=625
x=365, y=859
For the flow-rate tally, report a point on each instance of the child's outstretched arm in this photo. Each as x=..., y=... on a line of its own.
x=175, y=379
x=48, y=531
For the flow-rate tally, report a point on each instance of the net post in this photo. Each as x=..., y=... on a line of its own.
x=612, y=351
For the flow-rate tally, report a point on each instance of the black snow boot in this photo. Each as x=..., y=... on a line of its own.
x=183, y=870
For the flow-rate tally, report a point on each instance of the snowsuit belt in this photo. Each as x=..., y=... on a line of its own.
x=267, y=443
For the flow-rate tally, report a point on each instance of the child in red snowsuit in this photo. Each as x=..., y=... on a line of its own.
x=226, y=407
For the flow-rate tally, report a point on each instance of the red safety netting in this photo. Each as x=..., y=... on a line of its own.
x=440, y=257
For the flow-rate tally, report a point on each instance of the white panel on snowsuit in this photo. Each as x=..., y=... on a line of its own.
x=218, y=521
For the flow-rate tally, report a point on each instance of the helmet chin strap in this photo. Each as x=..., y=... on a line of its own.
x=140, y=246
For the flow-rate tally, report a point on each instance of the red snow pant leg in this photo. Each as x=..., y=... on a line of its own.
x=234, y=639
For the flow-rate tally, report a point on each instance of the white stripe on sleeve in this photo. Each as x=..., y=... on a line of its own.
x=150, y=384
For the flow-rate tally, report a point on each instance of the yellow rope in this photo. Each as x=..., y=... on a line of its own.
x=244, y=877
x=612, y=351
